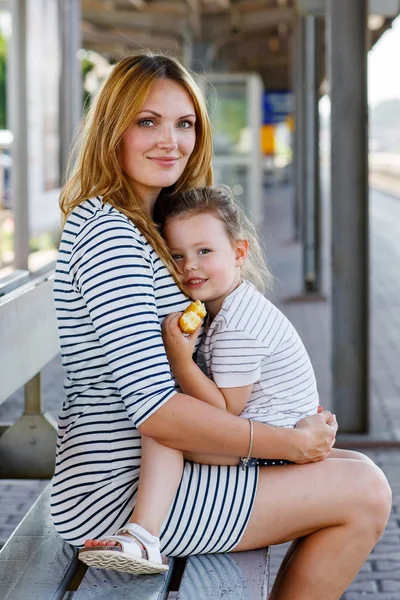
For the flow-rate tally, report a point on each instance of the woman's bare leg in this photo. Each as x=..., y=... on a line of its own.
x=335, y=453
x=339, y=507
x=160, y=475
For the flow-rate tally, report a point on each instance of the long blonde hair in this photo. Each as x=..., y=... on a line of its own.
x=97, y=171
x=219, y=201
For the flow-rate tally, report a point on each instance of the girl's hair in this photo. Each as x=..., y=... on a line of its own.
x=219, y=201
x=97, y=171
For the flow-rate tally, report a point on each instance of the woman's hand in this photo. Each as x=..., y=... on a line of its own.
x=179, y=347
x=318, y=433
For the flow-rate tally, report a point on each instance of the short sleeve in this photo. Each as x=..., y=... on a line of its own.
x=111, y=268
x=235, y=359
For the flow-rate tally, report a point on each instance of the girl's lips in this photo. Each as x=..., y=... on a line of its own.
x=196, y=283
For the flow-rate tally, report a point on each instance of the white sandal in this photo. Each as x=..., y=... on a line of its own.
x=138, y=552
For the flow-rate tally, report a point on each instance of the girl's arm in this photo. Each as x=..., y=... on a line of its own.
x=194, y=382
x=191, y=378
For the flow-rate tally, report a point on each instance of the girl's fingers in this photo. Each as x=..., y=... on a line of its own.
x=193, y=336
x=169, y=319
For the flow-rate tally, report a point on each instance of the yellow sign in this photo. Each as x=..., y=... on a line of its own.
x=267, y=139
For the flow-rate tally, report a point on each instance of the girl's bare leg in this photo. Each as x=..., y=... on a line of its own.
x=338, y=507
x=160, y=475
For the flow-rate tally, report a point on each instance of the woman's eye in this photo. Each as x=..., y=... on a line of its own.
x=146, y=123
x=185, y=124
x=204, y=251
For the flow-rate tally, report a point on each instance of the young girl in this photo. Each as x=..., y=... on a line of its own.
x=251, y=361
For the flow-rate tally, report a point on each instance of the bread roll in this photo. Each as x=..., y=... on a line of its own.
x=191, y=317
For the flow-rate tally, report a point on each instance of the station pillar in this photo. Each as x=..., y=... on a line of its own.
x=299, y=145
x=71, y=92
x=18, y=110
x=311, y=173
x=349, y=198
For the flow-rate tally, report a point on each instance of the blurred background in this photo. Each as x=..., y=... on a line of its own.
x=304, y=99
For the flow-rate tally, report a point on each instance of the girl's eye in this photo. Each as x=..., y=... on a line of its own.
x=185, y=124
x=176, y=256
x=204, y=251
x=146, y=123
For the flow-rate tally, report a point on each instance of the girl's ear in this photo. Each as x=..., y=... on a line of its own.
x=241, y=251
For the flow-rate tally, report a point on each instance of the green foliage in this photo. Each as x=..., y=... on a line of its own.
x=86, y=66
x=3, y=82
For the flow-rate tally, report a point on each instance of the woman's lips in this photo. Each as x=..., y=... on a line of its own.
x=164, y=162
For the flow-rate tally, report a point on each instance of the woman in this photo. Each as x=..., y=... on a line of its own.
x=148, y=135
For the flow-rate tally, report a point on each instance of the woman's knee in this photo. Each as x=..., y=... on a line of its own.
x=374, y=498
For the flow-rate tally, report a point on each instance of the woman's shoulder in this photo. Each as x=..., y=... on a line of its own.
x=93, y=215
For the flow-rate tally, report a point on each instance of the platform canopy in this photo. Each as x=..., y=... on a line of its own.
x=229, y=35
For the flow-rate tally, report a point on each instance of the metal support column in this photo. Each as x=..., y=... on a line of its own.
x=71, y=76
x=311, y=190
x=349, y=180
x=299, y=145
x=27, y=448
x=18, y=110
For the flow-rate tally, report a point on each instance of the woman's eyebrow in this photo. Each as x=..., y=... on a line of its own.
x=147, y=110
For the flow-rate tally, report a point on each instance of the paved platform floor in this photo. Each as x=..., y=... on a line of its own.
x=380, y=577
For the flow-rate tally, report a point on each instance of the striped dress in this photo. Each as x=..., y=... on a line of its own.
x=112, y=293
x=251, y=341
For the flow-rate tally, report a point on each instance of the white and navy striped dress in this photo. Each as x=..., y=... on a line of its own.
x=251, y=341
x=112, y=293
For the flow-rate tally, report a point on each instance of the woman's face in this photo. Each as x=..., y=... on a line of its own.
x=156, y=148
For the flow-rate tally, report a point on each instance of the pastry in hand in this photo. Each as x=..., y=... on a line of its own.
x=191, y=317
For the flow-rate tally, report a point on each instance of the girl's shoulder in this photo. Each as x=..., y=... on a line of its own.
x=248, y=311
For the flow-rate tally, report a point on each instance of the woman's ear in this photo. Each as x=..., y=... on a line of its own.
x=241, y=251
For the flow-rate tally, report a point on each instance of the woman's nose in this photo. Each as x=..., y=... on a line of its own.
x=167, y=139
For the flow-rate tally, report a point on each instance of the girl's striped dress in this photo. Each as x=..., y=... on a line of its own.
x=112, y=293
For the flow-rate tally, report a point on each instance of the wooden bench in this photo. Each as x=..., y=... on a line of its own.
x=35, y=563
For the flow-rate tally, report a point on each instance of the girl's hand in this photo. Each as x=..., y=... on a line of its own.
x=318, y=433
x=179, y=347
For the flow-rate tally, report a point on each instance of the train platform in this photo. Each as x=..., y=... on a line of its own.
x=380, y=577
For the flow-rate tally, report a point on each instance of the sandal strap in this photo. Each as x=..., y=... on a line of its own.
x=129, y=545
x=150, y=542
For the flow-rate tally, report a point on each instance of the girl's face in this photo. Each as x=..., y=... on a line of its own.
x=156, y=148
x=208, y=262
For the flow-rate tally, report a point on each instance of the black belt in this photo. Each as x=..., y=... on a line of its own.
x=266, y=462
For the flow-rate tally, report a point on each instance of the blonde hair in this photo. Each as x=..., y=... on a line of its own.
x=97, y=171
x=219, y=201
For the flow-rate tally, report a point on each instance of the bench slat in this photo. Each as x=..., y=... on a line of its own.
x=99, y=584
x=233, y=576
x=35, y=563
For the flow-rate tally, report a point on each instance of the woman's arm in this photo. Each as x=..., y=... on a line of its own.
x=188, y=424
